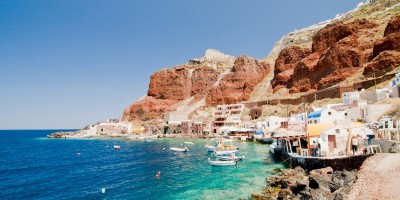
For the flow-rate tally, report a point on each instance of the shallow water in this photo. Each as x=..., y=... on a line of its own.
x=34, y=167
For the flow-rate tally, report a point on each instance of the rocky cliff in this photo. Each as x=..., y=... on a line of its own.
x=362, y=41
x=215, y=78
x=354, y=46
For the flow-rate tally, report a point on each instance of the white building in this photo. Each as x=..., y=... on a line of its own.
x=335, y=140
x=175, y=117
x=351, y=98
x=371, y=113
x=273, y=122
x=394, y=85
x=226, y=115
x=326, y=115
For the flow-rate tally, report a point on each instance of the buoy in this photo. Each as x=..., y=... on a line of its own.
x=103, y=190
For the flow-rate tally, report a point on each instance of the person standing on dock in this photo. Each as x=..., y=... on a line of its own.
x=354, y=145
x=314, y=149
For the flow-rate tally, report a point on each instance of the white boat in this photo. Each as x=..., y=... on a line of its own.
x=225, y=145
x=179, y=149
x=231, y=157
x=116, y=147
x=188, y=142
x=147, y=140
x=224, y=152
x=210, y=148
x=221, y=163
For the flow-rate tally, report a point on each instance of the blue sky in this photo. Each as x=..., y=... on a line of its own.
x=66, y=64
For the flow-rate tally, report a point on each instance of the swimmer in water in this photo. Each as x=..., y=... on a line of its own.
x=158, y=174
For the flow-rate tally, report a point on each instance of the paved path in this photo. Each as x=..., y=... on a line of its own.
x=378, y=178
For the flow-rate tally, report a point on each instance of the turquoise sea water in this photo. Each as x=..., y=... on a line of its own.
x=34, y=167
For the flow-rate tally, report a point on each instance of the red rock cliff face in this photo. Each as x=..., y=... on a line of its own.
x=386, y=51
x=285, y=64
x=237, y=85
x=148, y=108
x=167, y=88
x=203, y=78
x=172, y=84
x=338, y=51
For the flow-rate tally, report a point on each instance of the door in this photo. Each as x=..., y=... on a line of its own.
x=331, y=142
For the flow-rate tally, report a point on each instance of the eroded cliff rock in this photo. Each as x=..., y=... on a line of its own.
x=148, y=108
x=238, y=84
x=386, y=51
x=203, y=78
x=285, y=64
x=169, y=87
x=173, y=84
x=338, y=51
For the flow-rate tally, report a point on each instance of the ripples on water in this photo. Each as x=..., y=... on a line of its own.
x=33, y=167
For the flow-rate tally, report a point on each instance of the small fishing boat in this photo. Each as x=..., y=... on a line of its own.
x=188, y=142
x=179, y=149
x=224, y=152
x=231, y=157
x=222, y=163
x=147, y=140
x=116, y=147
x=210, y=148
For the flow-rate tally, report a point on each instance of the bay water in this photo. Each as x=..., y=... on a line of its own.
x=35, y=167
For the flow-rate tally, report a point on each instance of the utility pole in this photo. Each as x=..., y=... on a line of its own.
x=376, y=92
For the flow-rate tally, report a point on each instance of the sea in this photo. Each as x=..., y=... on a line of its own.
x=35, y=167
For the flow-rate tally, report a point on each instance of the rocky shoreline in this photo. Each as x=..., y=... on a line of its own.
x=317, y=184
x=80, y=134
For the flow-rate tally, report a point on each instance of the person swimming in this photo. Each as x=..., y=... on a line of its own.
x=158, y=174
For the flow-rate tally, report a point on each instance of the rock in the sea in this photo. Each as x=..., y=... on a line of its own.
x=319, y=184
x=395, y=148
x=285, y=194
x=259, y=197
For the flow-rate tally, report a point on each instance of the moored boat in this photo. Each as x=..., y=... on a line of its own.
x=224, y=152
x=231, y=157
x=210, y=148
x=116, y=147
x=222, y=163
x=185, y=149
x=188, y=142
x=225, y=145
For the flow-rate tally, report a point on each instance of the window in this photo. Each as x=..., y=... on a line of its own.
x=329, y=113
x=337, y=130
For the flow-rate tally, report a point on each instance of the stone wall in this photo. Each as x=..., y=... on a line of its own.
x=332, y=92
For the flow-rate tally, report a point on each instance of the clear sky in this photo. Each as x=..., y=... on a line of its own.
x=66, y=64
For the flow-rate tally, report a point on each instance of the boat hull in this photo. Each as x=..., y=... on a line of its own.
x=227, y=158
x=178, y=149
x=225, y=153
x=222, y=163
x=210, y=148
x=337, y=163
